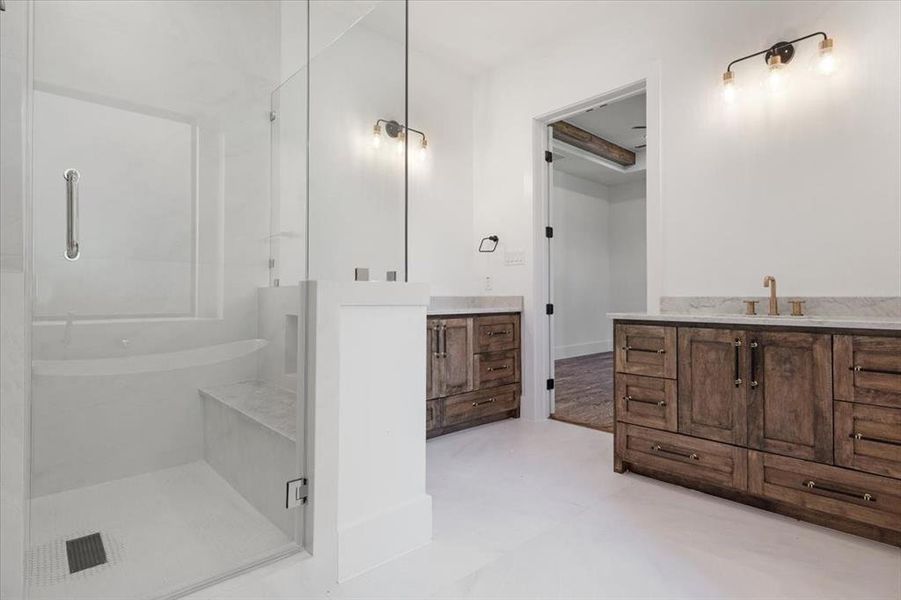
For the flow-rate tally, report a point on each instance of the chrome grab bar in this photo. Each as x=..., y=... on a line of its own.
x=71, y=176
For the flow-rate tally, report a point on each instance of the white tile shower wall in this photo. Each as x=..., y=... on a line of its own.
x=13, y=420
x=13, y=71
x=829, y=209
x=216, y=64
x=88, y=430
x=277, y=305
x=14, y=312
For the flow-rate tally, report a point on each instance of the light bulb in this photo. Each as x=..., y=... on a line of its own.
x=399, y=148
x=826, y=59
x=423, y=150
x=729, y=89
x=376, y=136
x=777, y=76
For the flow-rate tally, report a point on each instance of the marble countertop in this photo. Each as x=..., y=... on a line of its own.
x=843, y=322
x=467, y=305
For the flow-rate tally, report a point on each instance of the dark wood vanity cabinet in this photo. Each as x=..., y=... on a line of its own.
x=712, y=395
x=789, y=392
x=802, y=421
x=473, y=371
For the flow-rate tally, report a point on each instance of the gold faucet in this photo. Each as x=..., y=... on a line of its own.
x=770, y=282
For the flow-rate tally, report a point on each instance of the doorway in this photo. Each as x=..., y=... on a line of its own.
x=597, y=249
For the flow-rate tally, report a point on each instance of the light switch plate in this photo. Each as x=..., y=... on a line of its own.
x=514, y=257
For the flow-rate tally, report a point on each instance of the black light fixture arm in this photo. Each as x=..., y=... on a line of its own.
x=393, y=128
x=774, y=49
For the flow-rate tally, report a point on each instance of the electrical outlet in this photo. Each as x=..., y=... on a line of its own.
x=488, y=283
x=514, y=258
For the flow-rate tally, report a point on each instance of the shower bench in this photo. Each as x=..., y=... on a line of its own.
x=250, y=439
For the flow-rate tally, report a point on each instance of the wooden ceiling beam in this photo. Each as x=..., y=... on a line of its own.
x=584, y=140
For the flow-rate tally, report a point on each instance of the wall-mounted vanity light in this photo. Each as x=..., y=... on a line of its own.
x=777, y=57
x=397, y=131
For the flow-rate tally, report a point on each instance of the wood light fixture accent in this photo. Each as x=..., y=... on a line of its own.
x=584, y=140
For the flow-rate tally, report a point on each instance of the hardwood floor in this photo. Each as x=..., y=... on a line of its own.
x=584, y=390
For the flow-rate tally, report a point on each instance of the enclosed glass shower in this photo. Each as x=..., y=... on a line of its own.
x=192, y=162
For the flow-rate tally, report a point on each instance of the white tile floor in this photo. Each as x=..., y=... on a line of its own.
x=162, y=531
x=534, y=510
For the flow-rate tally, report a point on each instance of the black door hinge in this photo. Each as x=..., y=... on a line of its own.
x=550, y=384
x=548, y=309
x=548, y=156
x=548, y=232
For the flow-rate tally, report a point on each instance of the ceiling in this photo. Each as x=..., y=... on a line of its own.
x=476, y=35
x=613, y=122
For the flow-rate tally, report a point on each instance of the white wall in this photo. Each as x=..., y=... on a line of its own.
x=356, y=191
x=627, y=237
x=599, y=254
x=582, y=267
x=827, y=208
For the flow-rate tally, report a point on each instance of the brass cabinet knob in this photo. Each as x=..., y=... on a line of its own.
x=751, y=307
x=797, y=307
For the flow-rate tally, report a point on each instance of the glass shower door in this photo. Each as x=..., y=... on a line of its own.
x=164, y=408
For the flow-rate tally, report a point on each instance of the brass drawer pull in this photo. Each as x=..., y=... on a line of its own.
x=500, y=368
x=865, y=496
x=659, y=448
x=631, y=349
x=655, y=402
x=858, y=369
x=488, y=401
x=504, y=332
x=860, y=436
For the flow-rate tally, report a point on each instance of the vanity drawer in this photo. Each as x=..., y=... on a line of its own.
x=492, y=369
x=646, y=350
x=647, y=401
x=849, y=494
x=477, y=405
x=683, y=456
x=867, y=369
x=497, y=332
x=868, y=438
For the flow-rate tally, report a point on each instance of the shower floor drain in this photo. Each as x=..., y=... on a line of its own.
x=85, y=552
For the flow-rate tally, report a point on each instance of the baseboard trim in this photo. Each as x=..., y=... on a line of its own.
x=574, y=350
x=366, y=544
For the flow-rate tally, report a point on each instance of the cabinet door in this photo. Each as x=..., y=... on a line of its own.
x=790, y=397
x=432, y=380
x=712, y=393
x=868, y=369
x=456, y=356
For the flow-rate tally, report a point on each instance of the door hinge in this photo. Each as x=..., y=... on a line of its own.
x=548, y=309
x=548, y=232
x=271, y=263
x=550, y=384
x=272, y=115
x=296, y=492
x=548, y=156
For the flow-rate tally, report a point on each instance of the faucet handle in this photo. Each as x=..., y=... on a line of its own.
x=751, y=307
x=797, y=307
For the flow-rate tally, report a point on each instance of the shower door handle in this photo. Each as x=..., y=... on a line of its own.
x=71, y=176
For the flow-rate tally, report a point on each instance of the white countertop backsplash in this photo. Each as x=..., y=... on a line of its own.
x=852, y=312
x=465, y=305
